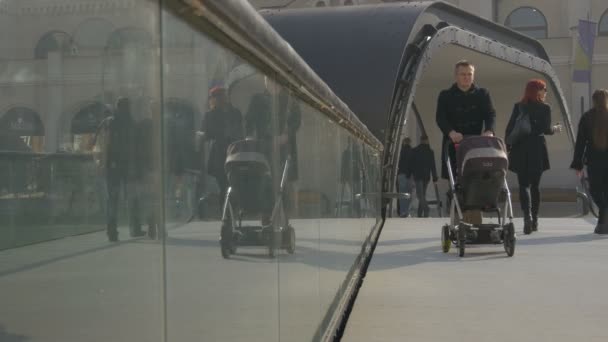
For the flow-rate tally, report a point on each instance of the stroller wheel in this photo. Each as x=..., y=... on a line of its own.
x=446, y=242
x=509, y=239
x=462, y=239
x=290, y=239
x=226, y=241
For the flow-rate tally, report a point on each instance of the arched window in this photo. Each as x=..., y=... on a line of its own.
x=528, y=21
x=21, y=129
x=603, y=26
x=54, y=41
x=348, y=2
x=320, y=4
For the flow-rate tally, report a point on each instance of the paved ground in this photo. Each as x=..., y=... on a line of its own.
x=553, y=289
x=83, y=288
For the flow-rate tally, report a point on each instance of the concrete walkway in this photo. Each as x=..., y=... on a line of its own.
x=553, y=289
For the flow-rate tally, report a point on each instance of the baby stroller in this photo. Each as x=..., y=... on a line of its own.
x=479, y=182
x=250, y=193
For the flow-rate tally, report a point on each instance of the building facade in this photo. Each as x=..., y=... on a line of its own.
x=553, y=22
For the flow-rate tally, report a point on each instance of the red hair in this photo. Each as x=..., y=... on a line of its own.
x=532, y=88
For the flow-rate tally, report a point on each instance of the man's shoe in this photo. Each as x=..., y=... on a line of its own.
x=535, y=224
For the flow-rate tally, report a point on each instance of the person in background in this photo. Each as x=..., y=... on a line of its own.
x=422, y=168
x=528, y=157
x=404, y=182
x=591, y=149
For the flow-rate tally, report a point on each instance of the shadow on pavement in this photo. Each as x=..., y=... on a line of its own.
x=545, y=240
x=475, y=253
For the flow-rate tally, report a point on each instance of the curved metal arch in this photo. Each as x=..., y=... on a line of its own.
x=469, y=40
x=371, y=55
x=360, y=50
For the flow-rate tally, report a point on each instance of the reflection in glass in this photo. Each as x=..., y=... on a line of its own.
x=226, y=209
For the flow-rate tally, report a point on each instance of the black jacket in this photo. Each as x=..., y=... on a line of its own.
x=120, y=163
x=423, y=163
x=222, y=127
x=404, y=161
x=468, y=113
x=584, y=151
x=529, y=155
x=288, y=116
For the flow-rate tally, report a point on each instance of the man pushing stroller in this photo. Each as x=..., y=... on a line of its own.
x=476, y=166
x=464, y=109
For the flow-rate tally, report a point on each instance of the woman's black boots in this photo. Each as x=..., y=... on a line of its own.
x=535, y=196
x=528, y=226
x=534, y=219
x=524, y=199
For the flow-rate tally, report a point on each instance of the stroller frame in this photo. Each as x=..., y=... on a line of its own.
x=459, y=232
x=278, y=234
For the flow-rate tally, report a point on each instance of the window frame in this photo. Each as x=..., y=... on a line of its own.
x=603, y=18
x=526, y=29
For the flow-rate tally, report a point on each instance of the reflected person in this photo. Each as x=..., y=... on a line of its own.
x=221, y=126
x=147, y=166
x=274, y=117
x=120, y=168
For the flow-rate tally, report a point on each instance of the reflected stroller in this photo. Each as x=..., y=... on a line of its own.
x=480, y=181
x=250, y=193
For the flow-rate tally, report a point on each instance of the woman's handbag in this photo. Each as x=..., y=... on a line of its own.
x=521, y=128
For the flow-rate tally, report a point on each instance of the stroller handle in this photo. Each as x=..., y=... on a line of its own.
x=285, y=172
x=446, y=149
x=449, y=142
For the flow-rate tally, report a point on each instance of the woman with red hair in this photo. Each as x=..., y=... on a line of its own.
x=528, y=156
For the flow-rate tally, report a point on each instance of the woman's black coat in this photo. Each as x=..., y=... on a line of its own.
x=529, y=155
